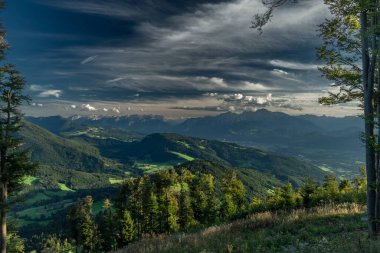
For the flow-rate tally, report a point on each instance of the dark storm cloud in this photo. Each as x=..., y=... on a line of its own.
x=130, y=9
x=172, y=49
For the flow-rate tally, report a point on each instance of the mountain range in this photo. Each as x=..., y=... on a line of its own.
x=331, y=143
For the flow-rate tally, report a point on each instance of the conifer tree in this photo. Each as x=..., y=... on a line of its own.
x=288, y=196
x=199, y=198
x=108, y=227
x=308, y=192
x=233, y=196
x=127, y=229
x=83, y=225
x=330, y=187
x=229, y=207
x=150, y=210
x=213, y=204
x=345, y=186
x=186, y=215
x=14, y=160
x=171, y=211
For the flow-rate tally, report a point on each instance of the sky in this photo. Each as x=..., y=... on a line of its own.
x=174, y=58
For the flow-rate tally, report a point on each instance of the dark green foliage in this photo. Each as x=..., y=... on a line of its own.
x=330, y=187
x=150, y=212
x=15, y=163
x=234, y=200
x=175, y=200
x=50, y=244
x=186, y=214
x=83, y=226
x=108, y=227
x=308, y=191
x=313, y=194
x=255, y=182
x=127, y=228
x=179, y=200
x=205, y=202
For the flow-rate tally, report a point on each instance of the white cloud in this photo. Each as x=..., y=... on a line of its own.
x=116, y=110
x=254, y=86
x=73, y=106
x=116, y=79
x=238, y=96
x=280, y=72
x=89, y=59
x=45, y=90
x=293, y=65
x=219, y=82
x=213, y=38
x=89, y=107
x=51, y=93
x=113, y=8
x=211, y=94
x=36, y=87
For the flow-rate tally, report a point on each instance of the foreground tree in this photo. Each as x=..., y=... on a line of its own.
x=15, y=163
x=352, y=36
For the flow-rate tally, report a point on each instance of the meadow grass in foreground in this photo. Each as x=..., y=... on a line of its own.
x=331, y=228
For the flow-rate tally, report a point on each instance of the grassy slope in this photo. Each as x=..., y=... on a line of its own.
x=50, y=149
x=325, y=229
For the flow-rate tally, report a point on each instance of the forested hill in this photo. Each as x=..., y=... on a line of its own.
x=175, y=149
x=102, y=154
x=333, y=143
x=50, y=149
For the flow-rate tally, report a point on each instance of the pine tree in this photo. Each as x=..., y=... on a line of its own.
x=234, y=199
x=229, y=207
x=288, y=196
x=237, y=190
x=186, y=215
x=150, y=210
x=308, y=192
x=83, y=224
x=213, y=205
x=127, y=229
x=108, y=227
x=134, y=203
x=345, y=186
x=14, y=161
x=172, y=213
x=330, y=188
x=199, y=198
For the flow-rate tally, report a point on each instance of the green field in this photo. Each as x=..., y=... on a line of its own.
x=30, y=180
x=150, y=168
x=116, y=180
x=64, y=187
x=183, y=156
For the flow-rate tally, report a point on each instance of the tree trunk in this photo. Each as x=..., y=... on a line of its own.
x=378, y=153
x=4, y=197
x=368, y=125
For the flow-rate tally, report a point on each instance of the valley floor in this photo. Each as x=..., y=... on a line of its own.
x=332, y=228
